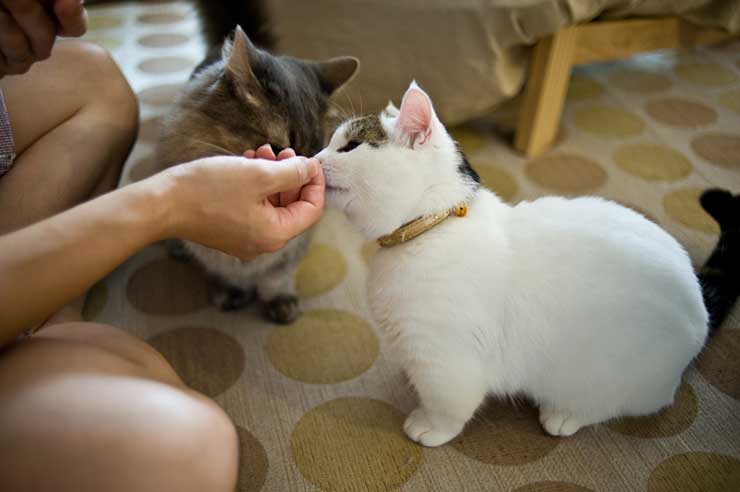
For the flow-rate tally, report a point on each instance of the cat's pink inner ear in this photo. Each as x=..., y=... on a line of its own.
x=415, y=117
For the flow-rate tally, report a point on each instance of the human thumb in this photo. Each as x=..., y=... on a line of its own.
x=290, y=174
x=71, y=16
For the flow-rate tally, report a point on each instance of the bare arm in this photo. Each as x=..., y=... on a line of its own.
x=220, y=202
x=44, y=266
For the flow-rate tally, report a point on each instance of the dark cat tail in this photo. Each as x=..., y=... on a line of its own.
x=219, y=18
x=720, y=275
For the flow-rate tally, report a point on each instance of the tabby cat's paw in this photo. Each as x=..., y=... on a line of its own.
x=231, y=299
x=283, y=309
x=419, y=428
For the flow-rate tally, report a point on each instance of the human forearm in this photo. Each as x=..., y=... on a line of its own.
x=50, y=263
x=219, y=202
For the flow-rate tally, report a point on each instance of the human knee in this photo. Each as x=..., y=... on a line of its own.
x=118, y=342
x=102, y=82
x=198, y=441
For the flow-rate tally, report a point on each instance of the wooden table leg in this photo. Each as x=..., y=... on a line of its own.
x=549, y=73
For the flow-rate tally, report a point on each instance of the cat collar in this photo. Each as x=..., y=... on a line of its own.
x=419, y=226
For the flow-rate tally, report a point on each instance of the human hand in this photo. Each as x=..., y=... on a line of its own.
x=28, y=29
x=229, y=203
x=265, y=152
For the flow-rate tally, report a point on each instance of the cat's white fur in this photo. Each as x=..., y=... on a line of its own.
x=583, y=305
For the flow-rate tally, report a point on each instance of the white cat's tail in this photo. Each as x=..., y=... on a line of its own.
x=720, y=275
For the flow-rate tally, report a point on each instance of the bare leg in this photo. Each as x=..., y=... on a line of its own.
x=74, y=120
x=88, y=407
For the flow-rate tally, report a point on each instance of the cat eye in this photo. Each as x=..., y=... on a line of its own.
x=351, y=145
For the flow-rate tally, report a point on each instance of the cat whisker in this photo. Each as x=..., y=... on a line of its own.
x=224, y=150
x=341, y=110
x=362, y=105
x=351, y=104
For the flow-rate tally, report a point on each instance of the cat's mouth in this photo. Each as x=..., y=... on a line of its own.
x=336, y=189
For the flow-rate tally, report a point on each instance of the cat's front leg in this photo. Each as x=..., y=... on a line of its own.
x=449, y=393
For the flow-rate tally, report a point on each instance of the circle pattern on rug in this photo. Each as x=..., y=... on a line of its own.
x=166, y=287
x=349, y=441
x=581, y=87
x=321, y=270
x=207, y=360
x=719, y=362
x=696, y=472
x=498, y=180
x=95, y=302
x=163, y=40
x=253, y=462
x=325, y=346
x=640, y=211
x=680, y=113
x=706, y=74
x=552, y=487
x=566, y=173
x=722, y=149
x=505, y=435
x=730, y=100
x=683, y=206
x=639, y=81
x=470, y=140
x=608, y=121
x=668, y=422
x=160, y=95
x=165, y=64
x=652, y=162
x=101, y=22
x=161, y=18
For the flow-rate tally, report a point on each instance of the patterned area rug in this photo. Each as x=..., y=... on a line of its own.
x=318, y=404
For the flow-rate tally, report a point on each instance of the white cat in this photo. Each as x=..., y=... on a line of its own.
x=583, y=305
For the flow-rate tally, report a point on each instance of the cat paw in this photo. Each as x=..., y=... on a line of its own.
x=283, y=309
x=419, y=428
x=559, y=424
x=232, y=299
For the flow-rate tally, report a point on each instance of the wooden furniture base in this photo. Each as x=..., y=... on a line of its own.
x=554, y=57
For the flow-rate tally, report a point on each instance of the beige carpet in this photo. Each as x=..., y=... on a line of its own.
x=318, y=404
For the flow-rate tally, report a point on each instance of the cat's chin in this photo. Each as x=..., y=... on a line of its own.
x=337, y=197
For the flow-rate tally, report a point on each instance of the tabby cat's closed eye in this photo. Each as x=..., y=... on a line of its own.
x=351, y=145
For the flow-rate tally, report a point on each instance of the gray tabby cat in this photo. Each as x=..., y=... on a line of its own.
x=240, y=98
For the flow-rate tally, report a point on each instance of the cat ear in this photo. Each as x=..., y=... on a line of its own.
x=239, y=55
x=391, y=109
x=336, y=72
x=416, y=117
